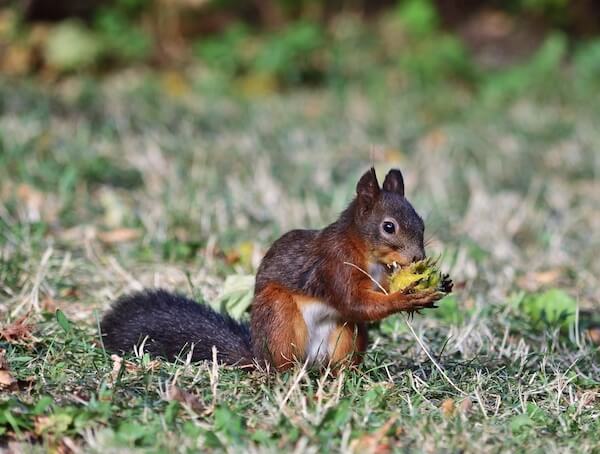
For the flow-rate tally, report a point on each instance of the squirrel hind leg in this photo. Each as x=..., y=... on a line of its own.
x=279, y=334
x=347, y=343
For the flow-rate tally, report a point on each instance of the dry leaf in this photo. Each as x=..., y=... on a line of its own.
x=49, y=305
x=18, y=331
x=17, y=60
x=120, y=235
x=448, y=407
x=594, y=335
x=117, y=362
x=32, y=200
x=7, y=381
x=376, y=442
x=466, y=405
x=186, y=398
x=536, y=279
x=130, y=367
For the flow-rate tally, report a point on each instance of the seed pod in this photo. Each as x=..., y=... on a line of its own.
x=424, y=275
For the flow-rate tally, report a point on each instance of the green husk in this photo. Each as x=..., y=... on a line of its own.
x=424, y=273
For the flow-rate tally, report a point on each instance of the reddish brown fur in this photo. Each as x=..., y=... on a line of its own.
x=317, y=274
x=311, y=265
x=347, y=342
x=276, y=315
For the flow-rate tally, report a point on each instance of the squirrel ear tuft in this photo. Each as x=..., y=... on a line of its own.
x=367, y=188
x=394, y=182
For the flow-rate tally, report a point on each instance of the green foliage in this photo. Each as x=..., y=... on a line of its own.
x=72, y=46
x=227, y=52
x=552, y=308
x=101, y=170
x=534, y=418
x=527, y=77
x=586, y=64
x=448, y=310
x=63, y=321
x=122, y=40
x=436, y=58
x=287, y=54
x=236, y=296
x=419, y=17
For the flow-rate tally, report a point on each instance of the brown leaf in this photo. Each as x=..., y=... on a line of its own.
x=120, y=235
x=117, y=362
x=17, y=60
x=188, y=399
x=536, y=279
x=376, y=442
x=49, y=305
x=448, y=407
x=594, y=335
x=466, y=405
x=7, y=381
x=18, y=332
x=32, y=199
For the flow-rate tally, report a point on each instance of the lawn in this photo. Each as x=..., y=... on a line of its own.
x=144, y=181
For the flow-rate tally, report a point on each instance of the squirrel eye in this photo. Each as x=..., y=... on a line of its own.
x=388, y=227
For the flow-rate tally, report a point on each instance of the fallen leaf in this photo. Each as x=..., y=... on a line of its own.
x=466, y=405
x=32, y=200
x=594, y=334
x=241, y=254
x=120, y=235
x=130, y=367
x=49, y=305
x=376, y=443
x=17, y=60
x=537, y=279
x=117, y=363
x=184, y=397
x=7, y=381
x=18, y=332
x=448, y=407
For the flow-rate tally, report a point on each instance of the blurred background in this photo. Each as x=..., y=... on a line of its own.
x=148, y=143
x=191, y=133
x=266, y=45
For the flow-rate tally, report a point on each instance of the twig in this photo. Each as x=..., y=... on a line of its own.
x=368, y=275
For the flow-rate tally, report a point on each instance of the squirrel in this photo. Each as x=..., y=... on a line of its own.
x=315, y=292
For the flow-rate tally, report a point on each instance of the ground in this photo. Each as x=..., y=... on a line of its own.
x=114, y=186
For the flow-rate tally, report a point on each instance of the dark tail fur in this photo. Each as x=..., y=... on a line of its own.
x=172, y=323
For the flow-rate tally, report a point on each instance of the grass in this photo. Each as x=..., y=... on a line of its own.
x=107, y=188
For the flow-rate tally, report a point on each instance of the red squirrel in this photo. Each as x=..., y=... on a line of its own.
x=314, y=292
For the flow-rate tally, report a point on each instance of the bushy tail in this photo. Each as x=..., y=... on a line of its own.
x=172, y=324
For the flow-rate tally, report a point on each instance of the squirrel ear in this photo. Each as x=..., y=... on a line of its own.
x=367, y=188
x=394, y=182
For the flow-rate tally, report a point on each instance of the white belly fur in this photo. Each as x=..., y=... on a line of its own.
x=320, y=320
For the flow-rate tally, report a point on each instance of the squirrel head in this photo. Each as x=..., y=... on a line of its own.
x=387, y=221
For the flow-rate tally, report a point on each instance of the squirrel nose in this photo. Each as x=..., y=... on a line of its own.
x=418, y=256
